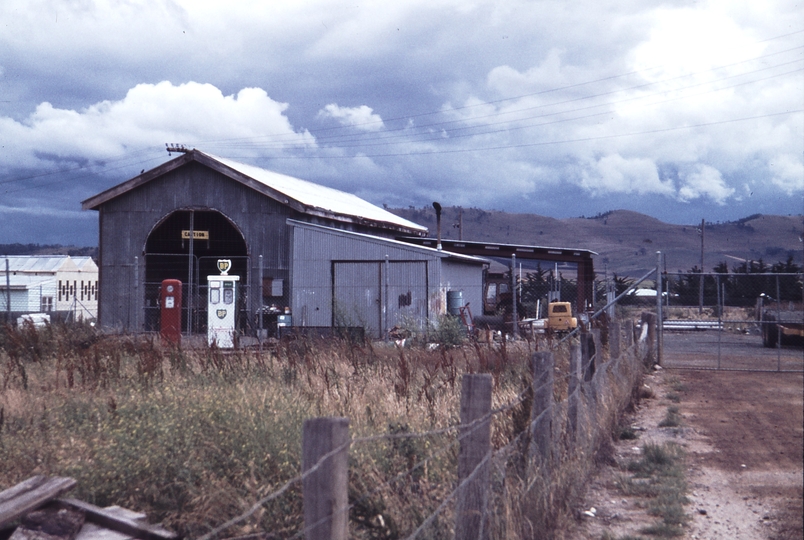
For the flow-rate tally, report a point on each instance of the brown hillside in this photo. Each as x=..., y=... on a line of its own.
x=626, y=242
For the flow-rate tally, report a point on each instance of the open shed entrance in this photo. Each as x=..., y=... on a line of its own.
x=186, y=246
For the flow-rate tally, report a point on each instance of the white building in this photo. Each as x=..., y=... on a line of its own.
x=49, y=284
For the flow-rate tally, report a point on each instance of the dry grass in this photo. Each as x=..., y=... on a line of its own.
x=194, y=438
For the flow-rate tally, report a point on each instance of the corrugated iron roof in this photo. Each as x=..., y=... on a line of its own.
x=85, y=263
x=318, y=196
x=302, y=195
x=38, y=263
x=492, y=249
x=25, y=281
x=404, y=245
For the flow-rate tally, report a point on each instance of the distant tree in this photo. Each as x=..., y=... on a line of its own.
x=622, y=284
x=534, y=287
x=790, y=286
x=721, y=268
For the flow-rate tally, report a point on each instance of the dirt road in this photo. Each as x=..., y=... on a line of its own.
x=744, y=437
x=749, y=479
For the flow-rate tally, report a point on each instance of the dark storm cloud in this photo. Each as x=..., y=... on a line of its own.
x=679, y=111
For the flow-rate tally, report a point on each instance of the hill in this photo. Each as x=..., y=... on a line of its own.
x=626, y=242
x=48, y=249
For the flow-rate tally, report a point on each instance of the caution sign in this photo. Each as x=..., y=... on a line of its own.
x=197, y=235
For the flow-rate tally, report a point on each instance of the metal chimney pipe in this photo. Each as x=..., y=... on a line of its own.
x=438, y=224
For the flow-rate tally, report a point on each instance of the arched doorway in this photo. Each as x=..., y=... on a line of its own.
x=186, y=245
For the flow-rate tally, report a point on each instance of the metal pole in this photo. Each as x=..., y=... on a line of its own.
x=190, y=277
x=8, y=293
x=515, y=320
x=259, y=304
x=385, y=301
x=701, y=284
x=778, y=327
x=659, y=316
x=719, y=320
x=611, y=303
x=137, y=299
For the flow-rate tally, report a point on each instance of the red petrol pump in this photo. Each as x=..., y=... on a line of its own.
x=170, y=311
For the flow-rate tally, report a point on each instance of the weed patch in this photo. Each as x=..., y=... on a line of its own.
x=659, y=477
x=672, y=418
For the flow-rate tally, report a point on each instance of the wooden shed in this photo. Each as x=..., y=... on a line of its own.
x=177, y=220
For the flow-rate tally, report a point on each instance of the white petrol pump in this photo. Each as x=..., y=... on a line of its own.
x=222, y=306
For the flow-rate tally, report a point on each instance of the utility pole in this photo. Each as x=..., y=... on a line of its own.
x=459, y=224
x=8, y=293
x=701, y=284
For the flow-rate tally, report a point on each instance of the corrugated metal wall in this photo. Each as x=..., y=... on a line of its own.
x=465, y=278
x=347, y=279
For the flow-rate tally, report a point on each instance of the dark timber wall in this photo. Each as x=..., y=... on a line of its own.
x=127, y=220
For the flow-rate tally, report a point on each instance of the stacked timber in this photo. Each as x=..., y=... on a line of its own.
x=33, y=510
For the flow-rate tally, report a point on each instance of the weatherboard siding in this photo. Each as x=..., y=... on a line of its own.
x=128, y=220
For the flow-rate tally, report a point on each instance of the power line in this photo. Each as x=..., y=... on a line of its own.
x=545, y=143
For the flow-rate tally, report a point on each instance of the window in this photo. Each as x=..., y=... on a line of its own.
x=46, y=304
x=214, y=292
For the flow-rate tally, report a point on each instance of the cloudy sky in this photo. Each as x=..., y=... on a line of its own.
x=682, y=110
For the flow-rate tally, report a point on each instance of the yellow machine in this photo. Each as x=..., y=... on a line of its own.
x=559, y=317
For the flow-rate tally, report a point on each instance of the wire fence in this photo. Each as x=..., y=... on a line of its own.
x=524, y=479
x=579, y=384
x=727, y=321
x=576, y=396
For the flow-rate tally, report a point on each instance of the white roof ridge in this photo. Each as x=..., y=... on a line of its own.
x=315, y=195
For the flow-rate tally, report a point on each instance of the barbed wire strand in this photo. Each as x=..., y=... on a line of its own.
x=451, y=496
x=469, y=428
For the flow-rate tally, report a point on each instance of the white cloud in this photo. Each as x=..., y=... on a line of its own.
x=704, y=181
x=149, y=115
x=694, y=39
x=362, y=118
x=615, y=174
x=788, y=173
x=550, y=73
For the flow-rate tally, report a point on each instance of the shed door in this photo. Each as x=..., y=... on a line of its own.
x=407, y=293
x=356, y=298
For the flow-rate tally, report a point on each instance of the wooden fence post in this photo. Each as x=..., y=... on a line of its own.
x=470, y=519
x=541, y=430
x=629, y=333
x=325, y=492
x=614, y=339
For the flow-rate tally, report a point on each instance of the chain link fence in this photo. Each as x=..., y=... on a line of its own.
x=733, y=321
